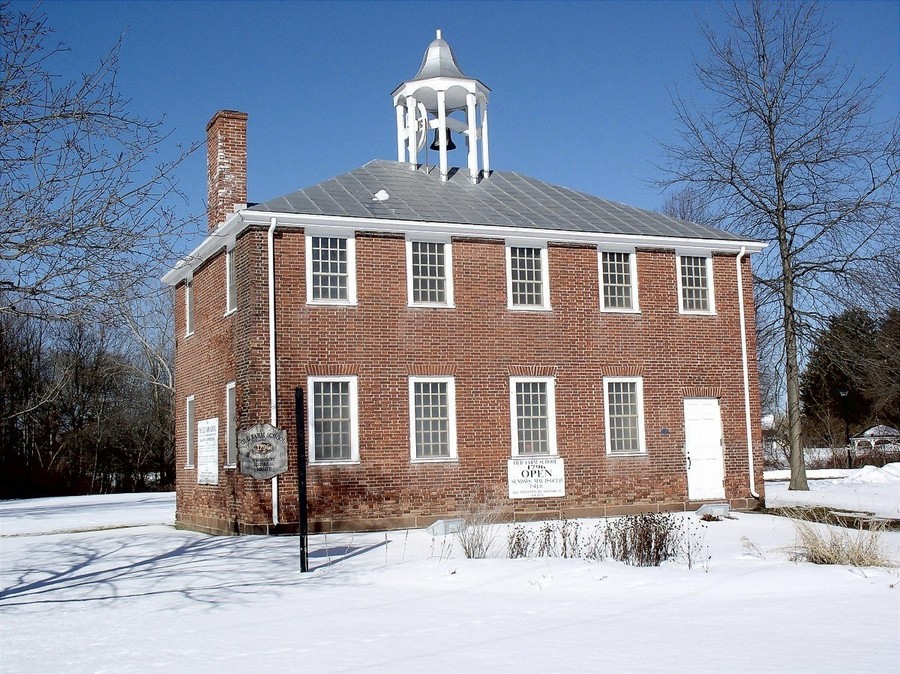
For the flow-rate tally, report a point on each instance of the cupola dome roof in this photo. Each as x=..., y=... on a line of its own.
x=439, y=61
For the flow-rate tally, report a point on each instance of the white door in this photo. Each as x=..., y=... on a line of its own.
x=703, y=449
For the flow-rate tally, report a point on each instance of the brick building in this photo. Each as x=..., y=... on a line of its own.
x=459, y=334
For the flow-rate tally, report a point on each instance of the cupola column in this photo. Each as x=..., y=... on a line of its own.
x=485, y=153
x=442, y=132
x=401, y=132
x=473, y=136
x=411, y=141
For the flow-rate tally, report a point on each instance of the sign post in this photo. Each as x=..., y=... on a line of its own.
x=301, y=480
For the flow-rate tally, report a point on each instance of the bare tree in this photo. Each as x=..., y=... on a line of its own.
x=689, y=204
x=787, y=153
x=84, y=210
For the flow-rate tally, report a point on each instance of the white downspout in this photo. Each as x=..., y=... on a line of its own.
x=740, y=290
x=273, y=407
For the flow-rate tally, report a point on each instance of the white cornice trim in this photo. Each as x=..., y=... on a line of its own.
x=238, y=222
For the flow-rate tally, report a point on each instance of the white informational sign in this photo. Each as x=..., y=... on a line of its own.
x=208, y=451
x=536, y=477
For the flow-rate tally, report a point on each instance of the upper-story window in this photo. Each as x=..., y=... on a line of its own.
x=695, y=284
x=618, y=281
x=533, y=412
x=429, y=273
x=189, y=307
x=230, y=290
x=330, y=269
x=526, y=277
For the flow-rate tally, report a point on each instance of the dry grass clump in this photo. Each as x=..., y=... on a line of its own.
x=478, y=533
x=822, y=544
x=648, y=539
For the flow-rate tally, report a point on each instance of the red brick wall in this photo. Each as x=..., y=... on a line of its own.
x=481, y=343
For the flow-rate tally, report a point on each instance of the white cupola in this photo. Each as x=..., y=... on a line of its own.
x=427, y=101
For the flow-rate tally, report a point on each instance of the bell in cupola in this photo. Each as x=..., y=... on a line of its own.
x=436, y=143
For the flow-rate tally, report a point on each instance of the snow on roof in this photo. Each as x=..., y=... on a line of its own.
x=880, y=431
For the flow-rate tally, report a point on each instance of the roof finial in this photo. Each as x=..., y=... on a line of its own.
x=438, y=31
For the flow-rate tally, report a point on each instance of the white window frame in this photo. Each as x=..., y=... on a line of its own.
x=545, y=276
x=632, y=260
x=230, y=289
x=451, y=419
x=551, y=414
x=230, y=425
x=350, y=237
x=190, y=420
x=448, y=302
x=354, y=419
x=710, y=285
x=189, y=307
x=639, y=390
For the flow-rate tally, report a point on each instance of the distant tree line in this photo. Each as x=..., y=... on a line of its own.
x=78, y=414
x=852, y=376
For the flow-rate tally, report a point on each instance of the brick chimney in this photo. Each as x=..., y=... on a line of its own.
x=226, y=165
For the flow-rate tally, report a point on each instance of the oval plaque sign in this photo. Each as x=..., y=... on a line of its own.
x=263, y=451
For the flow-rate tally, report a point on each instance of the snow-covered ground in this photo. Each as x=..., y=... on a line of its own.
x=150, y=598
x=869, y=489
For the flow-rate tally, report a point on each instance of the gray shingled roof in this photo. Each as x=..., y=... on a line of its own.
x=503, y=199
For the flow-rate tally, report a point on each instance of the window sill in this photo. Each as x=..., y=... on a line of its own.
x=189, y=334
x=330, y=303
x=189, y=466
x=229, y=466
x=625, y=454
x=619, y=311
x=229, y=312
x=430, y=306
x=554, y=455
x=527, y=309
x=443, y=459
x=697, y=313
x=354, y=462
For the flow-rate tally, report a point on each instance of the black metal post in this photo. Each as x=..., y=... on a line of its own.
x=301, y=480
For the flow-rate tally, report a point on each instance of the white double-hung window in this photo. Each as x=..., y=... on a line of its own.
x=618, y=281
x=333, y=419
x=189, y=307
x=695, y=283
x=527, y=280
x=533, y=415
x=230, y=425
x=429, y=273
x=432, y=423
x=623, y=405
x=330, y=268
x=230, y=289
x=191, y=428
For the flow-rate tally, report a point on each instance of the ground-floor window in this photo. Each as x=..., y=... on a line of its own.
x=189, y=431
x=533, y=412
x=333, y=419
x=432, y=407
x=230, y=425
x=624, y=410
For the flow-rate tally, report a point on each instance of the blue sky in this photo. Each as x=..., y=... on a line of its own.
x=580, y=89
